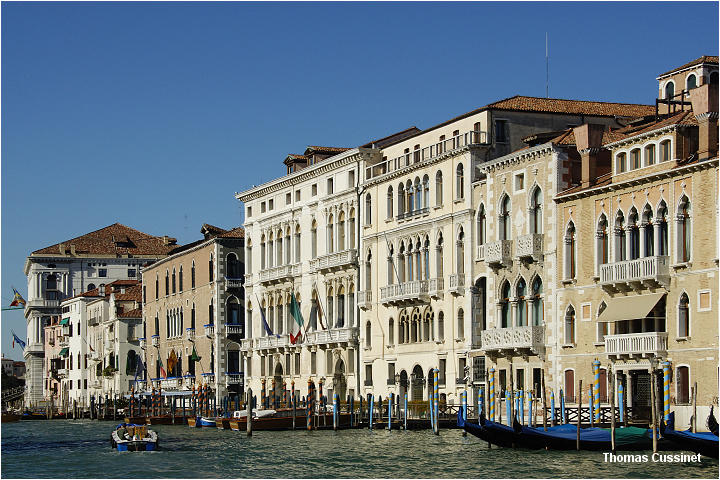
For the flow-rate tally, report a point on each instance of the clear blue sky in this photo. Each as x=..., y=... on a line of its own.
x=153, y=115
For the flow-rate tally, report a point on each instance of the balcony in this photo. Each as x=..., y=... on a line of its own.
x=93, y=320
x=43, y=303
x=246, y=344
x=95, y=357
x=248, y=278
x=208, y=378
x=445, y=147
x=63, y=342
x=515, y=340
x=334, y=336
x=233, y=378
x=418, y=212
x=365, y=299
x=407, y=292
x=649, y=344
x=62, y=372
x=457, y=284
x=480, y=252
x=232, y=329
x=335, y=261
x=143, y=342
x=233, y=283
x=266, y=343
x=96, y=384
x=209, y=330
x=172, y=383
x=436, y=287
x=529, y=246
x=190, y=334
x=34, y=348
x=155, y=339
x=279, y=274
x=498, y=254
x=188, y=380
x=649, y=271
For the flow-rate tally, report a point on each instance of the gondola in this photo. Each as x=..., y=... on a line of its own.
x=704, y=443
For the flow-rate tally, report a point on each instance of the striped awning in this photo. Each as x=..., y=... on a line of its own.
x=64, y=352
x=65, y=321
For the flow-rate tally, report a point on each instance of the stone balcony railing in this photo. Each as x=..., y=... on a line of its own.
x=628, y=345
x=246, y=344
x=333, y=336
x=233, y=283
x=43, y=303
x=514, y=339
x=233, y=378
x=365, y=299
x=266, y=343
x=334, y=261
x=155, y=340
x=248, y=278
x=649, y=270
x=172, y=382
x=208, y=378
x=62, y=372
x=63, y=342
x=233, y=329
x=278, y=274
x=209, y=330
x=457, y=284
x=190, y=334
x=498, y=253
x=414, y=291
x=436, y=287
x=480, y=252
x=529, y=246
x=143, y=342
x=188, y=380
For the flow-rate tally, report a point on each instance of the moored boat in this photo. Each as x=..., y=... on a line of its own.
x=704, y=443
x=134, y=438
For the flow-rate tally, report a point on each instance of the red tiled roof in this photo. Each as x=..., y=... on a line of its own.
x=712, y=59
x=133, y=293
x=601, y=181
x=316, y=148
x=573, y=107
x=134, y=313
x=115, y=239
x=237, y=232
x=686, y=118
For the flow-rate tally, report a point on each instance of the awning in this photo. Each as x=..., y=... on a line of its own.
x=629, y=308
x=64, y=352
x=65, y=321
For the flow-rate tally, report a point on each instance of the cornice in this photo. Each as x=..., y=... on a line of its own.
x=641, y=136
x=517, y=157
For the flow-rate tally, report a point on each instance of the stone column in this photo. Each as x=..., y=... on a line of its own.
x=514, y=320
x=643, y=248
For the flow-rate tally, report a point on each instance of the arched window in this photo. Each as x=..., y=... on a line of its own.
x=520, y=293
x=648, y=232
x=441, y=326
x=368, y=335
x=211, y=268
x=691, y=82
x=570, y=265
x=233, y=266
x=174, y=281
x=682, y=386
x=650, y=155
x=248, y=257
x=211, y=312
x=665, y=150
x=683, y=230
x=620, y=163
x=460, y=180
x=438, y=188
x=439, y=257
x=570, y=325
x=661, y=225
x=481, y=225
x=684, y=316
x=418, y=195
x=427, y=319
x=414, y=326
x=167, y=283
x=313, y=239
x=536, y=221
x=426, y=258
x=409, y=271
x=633, y=233
x=620, y=244
x=180, y=279
x=263, y=252
x=330, y=235
x=340, y=322
x=297, y=244
x=461, y=323
x=368, y=209
x=234, y=312
x=461, y=252
x=601, y=243
x=669, y=90
x=401, y=200
x=537, y=302
x=505, y=321
x=157, y=286
x=192, y=317
x=91, y=286
x=390, y=200
x=368, y=271
x=391, y=332
x=390, y=266
x=351, y=229
x=341, y=232
x=426, y=192
x=288, y=247
x=504, y=229
x=634, y=159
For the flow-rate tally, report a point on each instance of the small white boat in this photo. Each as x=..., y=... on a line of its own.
x=255, y=413
x=133, y=438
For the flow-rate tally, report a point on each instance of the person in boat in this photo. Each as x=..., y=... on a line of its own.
x=125, y=433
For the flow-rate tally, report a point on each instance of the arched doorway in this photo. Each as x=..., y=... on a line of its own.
x=278, y=385
x=416, y=387
x=339, y=380
x=403, y=384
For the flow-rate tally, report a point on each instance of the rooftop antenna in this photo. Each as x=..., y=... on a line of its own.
x=547, y=68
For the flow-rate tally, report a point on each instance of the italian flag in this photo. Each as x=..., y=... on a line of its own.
x=297, y=315
x=163, y=373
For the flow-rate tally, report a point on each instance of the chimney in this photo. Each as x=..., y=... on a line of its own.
x=705, y=107
x=588, y=139
x=62, y=248
x=72, y=249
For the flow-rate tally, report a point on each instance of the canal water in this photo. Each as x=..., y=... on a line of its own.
x=81, y=449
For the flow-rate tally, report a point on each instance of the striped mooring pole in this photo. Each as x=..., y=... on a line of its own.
x=391, y=400
x=596, y=390
x=336, y=404
x=262, y=393
x=491, y=395
x=464, y=409
x=508, y=407
x=591, y=409
x=406, y=413
x=481, y=400
x=436, y=399
x=552, y=408
x=529, y=402
x=518, y=406
x=562, y=407
x=621, y=393
x=372, y=405
x=666, y=391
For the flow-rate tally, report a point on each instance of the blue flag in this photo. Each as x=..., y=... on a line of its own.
x=17, y=339
x=265, y=323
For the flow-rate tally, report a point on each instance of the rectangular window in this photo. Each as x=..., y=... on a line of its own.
x=351, y=178
x=501, y=131
x=391, y=374
x=132, y=273
x=442, y=367
x=271, y=204
x=519, y=379
x=288, y=198
x=262, y=207
x=519, y=182
x=102, y=272
x=329, y=186
x=262, y=367
x=329, y=362
x=537, y=382
x=368, y=374
x=85, y=383
x=682, y=388
x=313, y=189
x=288, y=365
x=351, y=360
x=297, y=195
x=570, y=386
x=249, y=212
x=461, y=368
x=297, y=364
x=313, y=363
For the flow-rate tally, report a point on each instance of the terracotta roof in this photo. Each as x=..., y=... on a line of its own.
x=133, y=293
x=115, y=239
x=686, y=118
x=237, y=232
x=712, y=59
x=565, y=138
x=316, y=148
x=134, y=313
x=601, y=181
x=573, y=107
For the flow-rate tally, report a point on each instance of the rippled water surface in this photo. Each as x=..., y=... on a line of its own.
x=81, y=448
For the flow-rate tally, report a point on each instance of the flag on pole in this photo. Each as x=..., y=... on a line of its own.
x=17, y=339
x=320, y=313
x=297, y=315
x=312, y=323
x=195, y=357
x=140, y=367
x=262, y=314
x=17, y=299
x=163, y=373
x=172, y=361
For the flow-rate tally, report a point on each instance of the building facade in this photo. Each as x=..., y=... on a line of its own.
x=193, y=315
x=74, y=266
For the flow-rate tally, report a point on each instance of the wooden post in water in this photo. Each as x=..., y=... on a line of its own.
x=294, y=406
x=612, y=409
x=114, y=405
x=653, y=413
x=512, y=396
x=579, y=412
x=694, y=408
x=624, y=401
x=248, y=409
x=544, y=399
